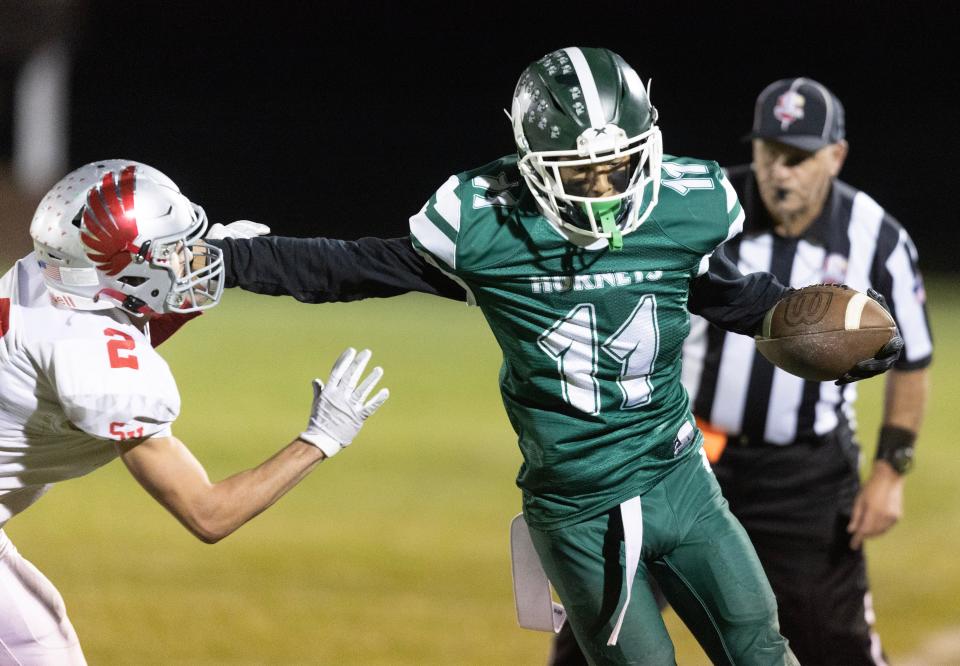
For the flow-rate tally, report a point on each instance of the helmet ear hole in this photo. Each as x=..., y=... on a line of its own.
x=133, y=281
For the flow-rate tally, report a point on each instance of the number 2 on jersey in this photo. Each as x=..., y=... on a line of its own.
x=573, y=343
x=116, y=349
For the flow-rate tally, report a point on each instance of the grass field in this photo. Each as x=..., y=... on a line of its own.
x=394, y=552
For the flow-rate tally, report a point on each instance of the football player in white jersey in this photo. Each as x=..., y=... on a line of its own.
x=116, y=247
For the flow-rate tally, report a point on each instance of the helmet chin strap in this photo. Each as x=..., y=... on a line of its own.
x=128, y=303
x=606, y=212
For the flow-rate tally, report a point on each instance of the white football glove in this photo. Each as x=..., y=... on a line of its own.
x=341, y=407
x=238, y=229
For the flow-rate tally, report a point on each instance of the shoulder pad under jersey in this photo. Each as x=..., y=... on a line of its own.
x=698, y=206
x=114, y=385
x=462, y=226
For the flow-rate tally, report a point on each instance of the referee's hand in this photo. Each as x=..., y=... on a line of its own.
x=878, y=506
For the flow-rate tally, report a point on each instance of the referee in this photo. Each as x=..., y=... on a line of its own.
x=785, y=449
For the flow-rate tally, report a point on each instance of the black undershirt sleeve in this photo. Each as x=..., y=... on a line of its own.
x=324, y=270
x=731, y=300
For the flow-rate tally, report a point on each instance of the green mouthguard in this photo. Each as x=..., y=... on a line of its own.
x=607, y=211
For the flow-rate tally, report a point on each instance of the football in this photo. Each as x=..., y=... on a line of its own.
x=822, y=331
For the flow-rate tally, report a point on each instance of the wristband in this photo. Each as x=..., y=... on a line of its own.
x=895, y=446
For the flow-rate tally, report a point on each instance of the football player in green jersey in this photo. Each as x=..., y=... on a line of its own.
x=584, y=283
x=585, y=251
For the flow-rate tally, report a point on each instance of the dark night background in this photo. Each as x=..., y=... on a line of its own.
x=341, y=119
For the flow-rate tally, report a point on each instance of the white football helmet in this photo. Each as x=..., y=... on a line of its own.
x=118, y=233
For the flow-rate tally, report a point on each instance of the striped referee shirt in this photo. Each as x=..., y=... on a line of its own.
x=854, y=242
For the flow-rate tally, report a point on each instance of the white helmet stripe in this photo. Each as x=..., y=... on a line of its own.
x=588, y=86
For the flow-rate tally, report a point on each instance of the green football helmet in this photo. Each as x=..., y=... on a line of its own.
x=586, y=107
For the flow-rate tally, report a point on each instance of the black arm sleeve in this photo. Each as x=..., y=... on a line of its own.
x=731, y=300
x=323, y=270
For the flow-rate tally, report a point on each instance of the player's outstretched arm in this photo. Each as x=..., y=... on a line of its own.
x=167, y=469
x=326, y=270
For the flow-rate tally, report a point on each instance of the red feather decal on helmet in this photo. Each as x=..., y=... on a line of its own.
x=109, y=223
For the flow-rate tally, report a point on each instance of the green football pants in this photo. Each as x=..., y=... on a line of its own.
x=702, y=559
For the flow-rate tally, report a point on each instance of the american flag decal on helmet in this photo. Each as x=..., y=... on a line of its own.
x=110, y=224
x=51, y=271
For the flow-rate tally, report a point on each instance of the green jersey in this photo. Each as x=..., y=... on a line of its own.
x=591, y=338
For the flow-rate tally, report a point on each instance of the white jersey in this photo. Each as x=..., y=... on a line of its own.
x=72, y=383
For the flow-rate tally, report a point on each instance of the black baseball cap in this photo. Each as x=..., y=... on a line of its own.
x=799, y=112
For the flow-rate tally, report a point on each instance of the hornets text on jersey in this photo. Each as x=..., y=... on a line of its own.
x=591, y=338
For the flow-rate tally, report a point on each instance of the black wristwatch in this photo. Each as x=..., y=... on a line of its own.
x=896, y=447
x=900, y=459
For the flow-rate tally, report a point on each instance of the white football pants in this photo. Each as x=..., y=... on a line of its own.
x=34, y=628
